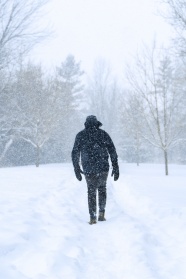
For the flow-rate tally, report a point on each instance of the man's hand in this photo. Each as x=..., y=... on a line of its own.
x=115, y=172
x=78, y=174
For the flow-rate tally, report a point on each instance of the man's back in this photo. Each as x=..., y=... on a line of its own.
x=95, y=146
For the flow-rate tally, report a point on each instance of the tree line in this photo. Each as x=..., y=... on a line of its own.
x=41, y=113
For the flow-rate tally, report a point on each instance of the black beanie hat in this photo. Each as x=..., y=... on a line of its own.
x=91, y=121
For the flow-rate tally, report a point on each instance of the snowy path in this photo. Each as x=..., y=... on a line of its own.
x=45, y=232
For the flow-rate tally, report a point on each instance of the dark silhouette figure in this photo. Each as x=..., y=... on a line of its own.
x=93, y=145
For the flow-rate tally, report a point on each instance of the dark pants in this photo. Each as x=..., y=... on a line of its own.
x=96, y=182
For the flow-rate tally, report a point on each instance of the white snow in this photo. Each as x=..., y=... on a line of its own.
x=44, y=230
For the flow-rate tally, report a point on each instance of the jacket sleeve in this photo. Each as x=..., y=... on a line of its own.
x=111, y=150
x=76, y=153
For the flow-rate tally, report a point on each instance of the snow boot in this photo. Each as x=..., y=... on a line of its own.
x=92, y=221
x=101, y=216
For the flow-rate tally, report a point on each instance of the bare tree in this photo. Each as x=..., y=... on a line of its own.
x=6, y=109
x=98, y=88
x=102, y=94
x=132, y=124
x=35, y=106
x=18, y=29
x=19, y=32
x=158, y=88
x=175, y=14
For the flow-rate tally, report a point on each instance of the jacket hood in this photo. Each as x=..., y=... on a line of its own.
x=91, y=121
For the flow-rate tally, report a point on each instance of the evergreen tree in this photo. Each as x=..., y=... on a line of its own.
x=69, y=88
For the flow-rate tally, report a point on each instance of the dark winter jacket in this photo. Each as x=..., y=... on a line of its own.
x=94, y=146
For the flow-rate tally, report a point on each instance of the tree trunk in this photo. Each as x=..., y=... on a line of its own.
x=137, y=157
x=166, y=162
x=137, y=148
x=37, y=156
x=7, y=146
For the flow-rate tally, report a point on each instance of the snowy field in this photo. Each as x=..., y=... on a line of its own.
x=44, y=230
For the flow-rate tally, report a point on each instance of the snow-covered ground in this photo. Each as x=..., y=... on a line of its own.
x=44, y=230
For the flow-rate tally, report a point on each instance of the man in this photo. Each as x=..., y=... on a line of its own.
x=94, y=146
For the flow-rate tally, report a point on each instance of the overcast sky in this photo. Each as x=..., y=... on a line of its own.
x=111, y=29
